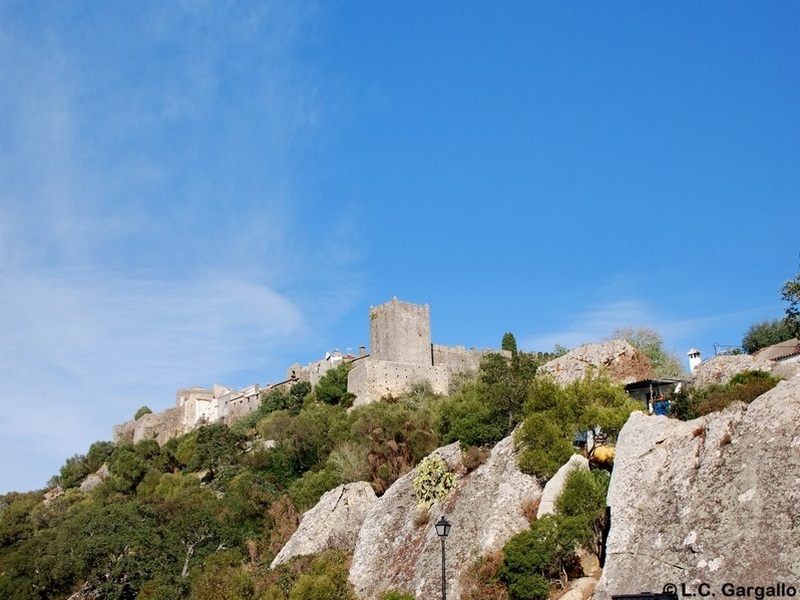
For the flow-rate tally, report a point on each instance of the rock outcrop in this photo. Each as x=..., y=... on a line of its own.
x=720, y=369
x=714, y=500
x=554, y=487
x=333, y=523
x=617, y=359
x=397, y=547
x=94, y=479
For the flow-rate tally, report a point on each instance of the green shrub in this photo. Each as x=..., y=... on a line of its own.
x=469, y=418
x=144, y=410
x=766, y=333
x=291, y=401
x=222, y=578
x=216, y=446
x=307, y=439
x=306, y=491
x=544, y=553
x=584, y=498
x=350, y=461
x=743, y=387
x=396, y=435
x=317, y=577
x=395, y=595
x=332, y=387
x=544, y=446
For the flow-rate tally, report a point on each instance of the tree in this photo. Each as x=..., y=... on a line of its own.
x=766, y=333
x=542, y=554
x=584, y=497
x=509, y=343
x=665, y=363
x=790, y=292
x=332, y=387
x=73, y=471
x=554, y=414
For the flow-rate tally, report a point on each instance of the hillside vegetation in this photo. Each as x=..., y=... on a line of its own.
x=204, y=515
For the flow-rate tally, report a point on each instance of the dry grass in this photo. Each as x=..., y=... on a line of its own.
x=530, y=508
x=481, y=580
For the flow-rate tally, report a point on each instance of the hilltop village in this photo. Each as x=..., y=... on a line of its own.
x=401, y=353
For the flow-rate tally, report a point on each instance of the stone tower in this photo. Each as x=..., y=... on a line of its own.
x=400, y=332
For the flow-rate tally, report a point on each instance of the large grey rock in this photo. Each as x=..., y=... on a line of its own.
x=94, y=479
x=554, y=487
x=713, y=500
x=720, y=369
x=618, y=359
x=333, y=523
x=398, y=547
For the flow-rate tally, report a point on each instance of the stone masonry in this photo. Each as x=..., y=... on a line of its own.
x=402, y=355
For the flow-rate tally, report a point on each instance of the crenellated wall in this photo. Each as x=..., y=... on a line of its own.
x=460, y=359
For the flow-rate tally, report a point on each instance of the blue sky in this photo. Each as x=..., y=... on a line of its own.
x=195, y=192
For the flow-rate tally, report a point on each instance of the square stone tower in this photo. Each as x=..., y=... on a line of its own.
x=400, y=332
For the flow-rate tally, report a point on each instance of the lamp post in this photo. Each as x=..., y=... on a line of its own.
x=442, y=530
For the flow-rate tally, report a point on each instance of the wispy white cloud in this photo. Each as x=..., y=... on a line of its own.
x=154, y=232
x=81, y=351
x=597, y=323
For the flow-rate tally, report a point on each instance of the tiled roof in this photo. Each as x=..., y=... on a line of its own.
x=780, y=351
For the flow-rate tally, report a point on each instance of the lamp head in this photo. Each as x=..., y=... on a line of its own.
x=442, y=527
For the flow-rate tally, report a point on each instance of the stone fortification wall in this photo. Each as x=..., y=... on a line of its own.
x=314, y=371
x=401, y=332
x=460, y=359
x=401, y=355
x=371, y=380
x=298, y=373
x=241, y=404
x=195, y=404
x=161, y=426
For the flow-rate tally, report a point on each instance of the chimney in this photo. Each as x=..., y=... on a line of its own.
x=694, y=359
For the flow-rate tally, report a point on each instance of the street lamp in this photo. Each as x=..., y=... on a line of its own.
x=442, y=530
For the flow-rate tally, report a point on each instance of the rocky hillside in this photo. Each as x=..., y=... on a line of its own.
x=217, y=512
x=714, y=500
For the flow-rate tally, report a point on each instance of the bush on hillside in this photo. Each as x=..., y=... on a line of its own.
x=144, y=410
x=543, y=554
x=485, y=410
x=332, y=387
x=584, y=498
x=555, y=414
x=396, y=436
x=743, y=387
x=320, y=576
x=534, y=560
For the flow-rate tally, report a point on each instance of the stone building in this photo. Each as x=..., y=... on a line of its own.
x=402, y=354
